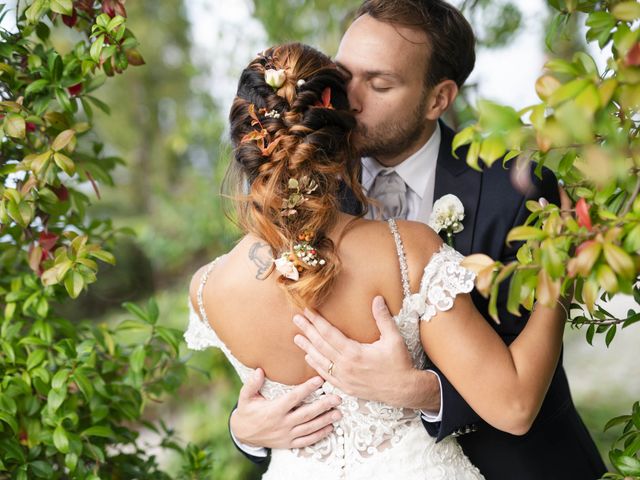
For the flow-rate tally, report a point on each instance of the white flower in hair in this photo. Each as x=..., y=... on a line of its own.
x=447, y=215
x=275, y=78
x=287, y=268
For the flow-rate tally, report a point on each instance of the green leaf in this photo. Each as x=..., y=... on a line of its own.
x=65, y=163
x=96, y=48
x=462, y=138
x=103, y=255
x=55, y=398
x=627, y=11
x=15, y=126
x=171, y=336
x=60, y=378
x=74, y=283
x=35, y=358
x=65, y=7
x=568, y=91
x=9, y=420
x=84, y=384
x=590, y=333
x=627, y=465
x=71, y=461
x=36, y=86
x=610, y=334
x=98, y=431
x=63, y=139
x=36, y=10
x=525, y=233
x=137, y=358
x=41, y=469
x=61, y=439
x=492, y=149
x=137, y=311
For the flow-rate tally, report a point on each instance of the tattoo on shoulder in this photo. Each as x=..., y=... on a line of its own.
x=261, y=255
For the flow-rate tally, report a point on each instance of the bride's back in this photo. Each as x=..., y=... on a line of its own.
x=252, y=314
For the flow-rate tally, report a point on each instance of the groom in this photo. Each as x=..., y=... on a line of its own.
x=404, y=61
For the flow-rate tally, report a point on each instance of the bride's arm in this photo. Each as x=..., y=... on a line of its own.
x=504, y=384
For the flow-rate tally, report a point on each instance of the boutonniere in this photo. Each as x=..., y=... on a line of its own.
x=447, y=215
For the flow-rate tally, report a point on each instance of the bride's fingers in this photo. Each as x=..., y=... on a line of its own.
x=302, y=442
x=317, y=424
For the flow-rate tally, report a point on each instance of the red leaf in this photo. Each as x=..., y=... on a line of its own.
x=61, y=192
x=74, y=90
x=582, y=213
x=70, y=20
x=632, y=59
x=47, y=240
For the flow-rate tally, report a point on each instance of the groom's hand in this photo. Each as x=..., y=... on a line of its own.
x=382, y=371
x=283, y=422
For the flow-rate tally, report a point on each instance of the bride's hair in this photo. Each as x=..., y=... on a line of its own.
x=292, y=150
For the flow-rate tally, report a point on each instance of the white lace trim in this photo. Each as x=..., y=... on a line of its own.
x=443, y=279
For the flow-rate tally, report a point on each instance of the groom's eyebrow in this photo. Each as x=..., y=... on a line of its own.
x=368, y=73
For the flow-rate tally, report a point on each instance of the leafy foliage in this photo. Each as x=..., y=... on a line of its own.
x=586, y=130
x=71, y=395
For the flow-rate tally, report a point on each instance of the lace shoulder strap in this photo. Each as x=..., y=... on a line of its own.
x=443, y=279
x=404, y=269
x=199, y=334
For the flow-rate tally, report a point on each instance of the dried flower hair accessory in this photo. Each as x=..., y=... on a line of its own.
x=275, y=78
x=270, y=114
x=300, y=82
x=304, y=255
x=298, y=189
x=260, y=136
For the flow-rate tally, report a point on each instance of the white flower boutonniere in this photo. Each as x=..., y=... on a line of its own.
x=447, y=215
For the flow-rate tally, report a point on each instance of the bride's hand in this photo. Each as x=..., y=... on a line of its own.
x=382, y=371
x=282, y=422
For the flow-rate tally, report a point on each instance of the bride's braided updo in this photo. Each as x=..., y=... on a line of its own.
x=291, y=145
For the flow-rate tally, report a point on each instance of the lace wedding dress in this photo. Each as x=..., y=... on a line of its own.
x=372, y=440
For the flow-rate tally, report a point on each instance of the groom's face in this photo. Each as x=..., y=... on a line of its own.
x=385, y=68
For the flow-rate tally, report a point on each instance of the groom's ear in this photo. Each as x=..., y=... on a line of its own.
x=440, y=98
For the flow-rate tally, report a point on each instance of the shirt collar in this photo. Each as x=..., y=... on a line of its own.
x=416, y=170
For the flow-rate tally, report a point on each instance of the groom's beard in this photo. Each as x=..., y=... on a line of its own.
x=389, y=139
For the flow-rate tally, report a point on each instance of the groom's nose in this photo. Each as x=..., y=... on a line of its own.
x=354, y=92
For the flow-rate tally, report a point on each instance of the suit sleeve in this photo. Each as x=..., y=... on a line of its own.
x=254, y=458
x=458, y=418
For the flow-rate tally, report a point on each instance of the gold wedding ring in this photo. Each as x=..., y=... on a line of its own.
x=330, y=371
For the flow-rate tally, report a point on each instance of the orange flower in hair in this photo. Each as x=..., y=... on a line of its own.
x=261, y=136
x=326, y=99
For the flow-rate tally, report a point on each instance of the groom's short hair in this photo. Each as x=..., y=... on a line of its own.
x=451, y=50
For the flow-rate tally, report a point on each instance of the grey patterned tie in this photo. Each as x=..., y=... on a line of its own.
x=391, y=191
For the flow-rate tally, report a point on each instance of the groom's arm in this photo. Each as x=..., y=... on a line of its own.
x=258, y=424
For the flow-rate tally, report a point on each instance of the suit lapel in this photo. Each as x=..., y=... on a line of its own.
x=454, y=176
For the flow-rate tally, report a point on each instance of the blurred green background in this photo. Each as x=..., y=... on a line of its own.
x=168, y=122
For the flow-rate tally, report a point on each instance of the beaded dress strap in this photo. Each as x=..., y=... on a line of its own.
x=404, y=269
x=203, y=280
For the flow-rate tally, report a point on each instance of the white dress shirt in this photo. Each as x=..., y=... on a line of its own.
x=419, y=173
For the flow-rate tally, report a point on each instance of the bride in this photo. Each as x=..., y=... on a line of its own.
x=290, y=125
